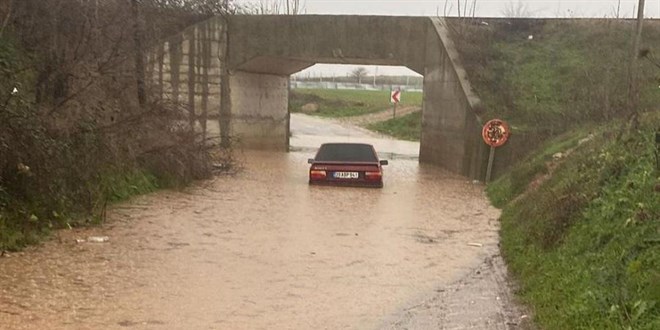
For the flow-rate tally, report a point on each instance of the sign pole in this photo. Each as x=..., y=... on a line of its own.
x=491, y=157
x=657, y=150
x=394, y=111
x=495, y=133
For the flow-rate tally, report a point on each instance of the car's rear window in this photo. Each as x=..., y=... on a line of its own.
x=343, y=152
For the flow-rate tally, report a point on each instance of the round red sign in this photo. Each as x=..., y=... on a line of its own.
x=495, y=132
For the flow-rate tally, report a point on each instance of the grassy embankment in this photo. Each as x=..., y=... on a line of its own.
x=581, y=234
x=585, y=244
x=347, y=103
x=407, y=127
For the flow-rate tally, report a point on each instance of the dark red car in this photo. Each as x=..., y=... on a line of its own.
x=352, y=164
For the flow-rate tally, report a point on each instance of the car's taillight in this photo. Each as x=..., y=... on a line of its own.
x=373, y=175
x=317, y=174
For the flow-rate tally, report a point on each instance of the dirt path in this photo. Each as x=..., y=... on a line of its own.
x=380, y=116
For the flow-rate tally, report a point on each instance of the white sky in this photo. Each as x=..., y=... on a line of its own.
x=484, y=8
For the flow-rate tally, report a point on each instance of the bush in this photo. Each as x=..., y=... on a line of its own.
x=408, y=127
x=63, y=158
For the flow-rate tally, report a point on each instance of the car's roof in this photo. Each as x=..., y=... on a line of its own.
x=346, y=152
x=346, y=143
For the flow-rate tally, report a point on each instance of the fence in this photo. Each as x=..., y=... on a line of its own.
x=355, y=86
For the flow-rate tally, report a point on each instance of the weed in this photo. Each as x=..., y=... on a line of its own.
x=408, y=127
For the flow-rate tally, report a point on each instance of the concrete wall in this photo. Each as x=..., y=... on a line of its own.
x=186, y=71
x=259, y=116
x=451, y=131
x=296, y=42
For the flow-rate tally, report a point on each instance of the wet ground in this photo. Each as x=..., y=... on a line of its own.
x=263, y=250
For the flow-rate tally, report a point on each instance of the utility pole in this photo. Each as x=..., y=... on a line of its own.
x=633, y=79
x=139, y=54
x=6, y=21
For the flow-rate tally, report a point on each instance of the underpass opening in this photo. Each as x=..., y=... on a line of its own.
x=379, y=105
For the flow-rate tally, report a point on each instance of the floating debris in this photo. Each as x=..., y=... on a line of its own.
x=98, y=239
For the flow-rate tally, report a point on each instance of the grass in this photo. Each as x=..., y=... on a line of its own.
x=31, y=222
x=514, y=182
x=584, y=245
x=122, y=186
x=347, y=103
x=569, y=74
x=406, y=127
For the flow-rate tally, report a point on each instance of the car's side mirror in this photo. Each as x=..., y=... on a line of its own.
x=310, y=161
x=384, y=162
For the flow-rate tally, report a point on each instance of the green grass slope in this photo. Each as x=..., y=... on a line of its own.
x=570, y=73
x=406, y=127
x=585, y=244
x=347, y=103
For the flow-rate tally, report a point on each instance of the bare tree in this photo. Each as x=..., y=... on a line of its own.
x=447, y=9
x=618, y=9
x=516, y=10
x=7, y=18
x=139, y=53
x=359, y=73
x=633, y=80
x=273, y=7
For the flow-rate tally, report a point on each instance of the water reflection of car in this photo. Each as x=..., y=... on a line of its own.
x=351, y=164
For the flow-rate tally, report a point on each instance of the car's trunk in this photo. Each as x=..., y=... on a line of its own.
x=346, y=172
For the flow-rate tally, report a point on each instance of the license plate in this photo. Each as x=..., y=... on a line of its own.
x=346, y=175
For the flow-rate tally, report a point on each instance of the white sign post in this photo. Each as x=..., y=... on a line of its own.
x=395, y=98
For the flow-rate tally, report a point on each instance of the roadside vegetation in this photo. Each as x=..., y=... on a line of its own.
x=581, y=214
x=338, y=103
x=581, y=232
x=407, y=127
x=77, y=129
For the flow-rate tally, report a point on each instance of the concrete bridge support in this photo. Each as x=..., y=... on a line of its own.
x=451, y=129
x=259, y=110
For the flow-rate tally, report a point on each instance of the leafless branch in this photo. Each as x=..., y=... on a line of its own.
x=7, y=18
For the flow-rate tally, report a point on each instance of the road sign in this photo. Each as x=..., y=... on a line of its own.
x=495, y=133
x=395, y=96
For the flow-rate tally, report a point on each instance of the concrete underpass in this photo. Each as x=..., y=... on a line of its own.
x=237, y=70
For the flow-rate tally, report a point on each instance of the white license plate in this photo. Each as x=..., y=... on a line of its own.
x=346, y=175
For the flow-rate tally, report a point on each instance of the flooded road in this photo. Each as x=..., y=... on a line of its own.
x=259, y=250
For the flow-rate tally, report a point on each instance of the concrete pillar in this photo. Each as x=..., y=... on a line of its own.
x=443, y=120
x=259, y=111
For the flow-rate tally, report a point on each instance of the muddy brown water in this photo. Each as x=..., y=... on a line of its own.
x=258, y=250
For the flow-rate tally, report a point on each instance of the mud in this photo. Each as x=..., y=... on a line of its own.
x=260, y=250
x=384, y=115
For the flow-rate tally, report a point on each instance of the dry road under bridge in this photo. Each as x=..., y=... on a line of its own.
x=263, y=250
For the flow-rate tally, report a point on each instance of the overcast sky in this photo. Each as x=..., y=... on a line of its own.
x=483, y=8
